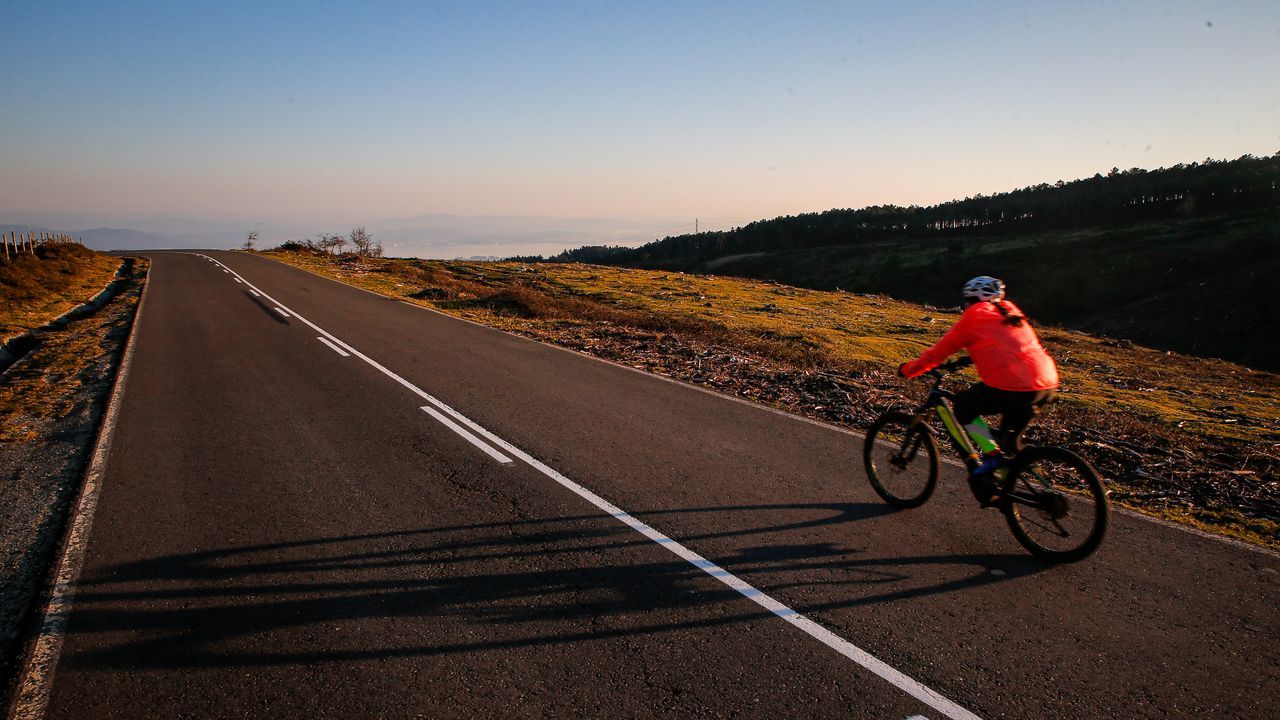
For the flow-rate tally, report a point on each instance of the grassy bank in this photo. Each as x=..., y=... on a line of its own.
x=1195, y=286
x=1186, y=438
x=35, y=289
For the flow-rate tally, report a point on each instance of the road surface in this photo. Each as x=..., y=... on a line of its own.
x=323, y=503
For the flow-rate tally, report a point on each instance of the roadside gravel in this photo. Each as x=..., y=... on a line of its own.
x=50, y=405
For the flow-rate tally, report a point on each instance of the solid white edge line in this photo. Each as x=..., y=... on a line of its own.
x=466, y=435
x=903, y=682
x=333, y=347
x=31, y=696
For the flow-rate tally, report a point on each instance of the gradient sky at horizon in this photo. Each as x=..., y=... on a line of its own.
x=736, y=110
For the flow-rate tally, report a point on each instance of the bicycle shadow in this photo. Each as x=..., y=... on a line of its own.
x=524, y=583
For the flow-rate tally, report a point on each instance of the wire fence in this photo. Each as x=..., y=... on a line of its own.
x=16, y=243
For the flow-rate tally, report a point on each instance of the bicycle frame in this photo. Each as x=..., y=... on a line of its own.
x=1066, y=496
x=939, y=401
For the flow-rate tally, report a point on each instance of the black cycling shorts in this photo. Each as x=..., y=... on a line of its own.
x=1016, y=409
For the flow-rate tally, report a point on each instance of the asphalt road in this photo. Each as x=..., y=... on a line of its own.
x=283, y=531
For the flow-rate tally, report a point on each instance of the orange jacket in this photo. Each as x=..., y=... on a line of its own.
x=1008, y=357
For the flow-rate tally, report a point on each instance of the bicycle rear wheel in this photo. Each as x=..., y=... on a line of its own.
x=1055, y=504
x=901, y=460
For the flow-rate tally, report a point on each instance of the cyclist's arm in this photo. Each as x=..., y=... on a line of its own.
x=953, y=342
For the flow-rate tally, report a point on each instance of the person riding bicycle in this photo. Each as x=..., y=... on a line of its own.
x=1017, y=376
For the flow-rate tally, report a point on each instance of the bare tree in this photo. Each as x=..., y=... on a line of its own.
x=330, y=242
x=362, y=240
x=252, y=241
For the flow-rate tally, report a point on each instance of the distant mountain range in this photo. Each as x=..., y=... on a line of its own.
x=433, y=236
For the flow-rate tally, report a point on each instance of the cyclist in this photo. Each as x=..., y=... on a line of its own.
x=1017, y=376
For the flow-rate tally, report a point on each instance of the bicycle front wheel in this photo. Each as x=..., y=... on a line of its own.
x=901, y=460
x=1055, y=504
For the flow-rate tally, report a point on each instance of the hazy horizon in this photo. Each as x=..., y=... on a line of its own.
x=428, y=235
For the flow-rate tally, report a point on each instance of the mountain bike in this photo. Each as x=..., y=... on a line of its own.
x=1052, y=498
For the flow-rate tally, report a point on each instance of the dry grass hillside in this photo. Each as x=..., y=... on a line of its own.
x=35, y=289
x=1189, y=439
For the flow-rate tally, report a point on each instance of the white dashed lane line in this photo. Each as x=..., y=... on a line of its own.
x=466, y=435
x=334, y=348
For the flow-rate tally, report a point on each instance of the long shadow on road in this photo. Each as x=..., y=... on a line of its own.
x=270, y=311
x=477, y=587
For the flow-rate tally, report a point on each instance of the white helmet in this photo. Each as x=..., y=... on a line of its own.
x=984, y=288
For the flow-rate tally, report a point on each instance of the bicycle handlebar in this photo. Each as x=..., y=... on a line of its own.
x=953, y=366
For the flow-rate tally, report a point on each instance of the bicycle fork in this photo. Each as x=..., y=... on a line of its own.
x=910, y=444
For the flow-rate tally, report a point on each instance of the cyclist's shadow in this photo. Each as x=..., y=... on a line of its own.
x=524, y=574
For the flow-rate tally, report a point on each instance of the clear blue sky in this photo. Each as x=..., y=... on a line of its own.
x=733, y=110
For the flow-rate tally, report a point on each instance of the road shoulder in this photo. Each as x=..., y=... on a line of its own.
x=51, y=403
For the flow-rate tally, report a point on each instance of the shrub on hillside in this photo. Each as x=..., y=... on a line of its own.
x=26, y=277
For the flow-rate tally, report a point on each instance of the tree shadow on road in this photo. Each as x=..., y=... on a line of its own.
x=482, y=587
x=270, y=311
